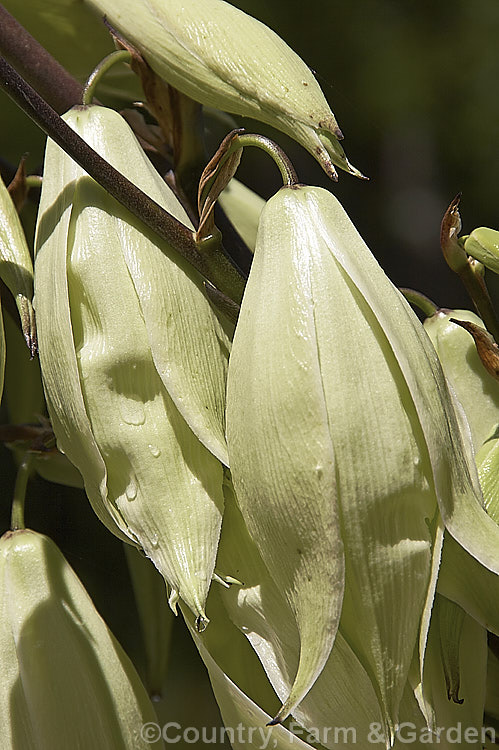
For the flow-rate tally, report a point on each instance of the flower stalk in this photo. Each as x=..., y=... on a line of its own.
x=23, y=474
x=101, y=69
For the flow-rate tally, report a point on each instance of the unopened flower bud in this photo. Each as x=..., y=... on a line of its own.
x=483, y=244
x=221, y=57
x=476, y=389
x=66, y=681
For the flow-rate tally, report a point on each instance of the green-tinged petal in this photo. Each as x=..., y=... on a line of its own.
x=450, y=621
x=342, y=695
x=475, y=388
x=233, y=653
x=221, y=57
x=246, y=722
x=483, y=245
x=16, y=268
x=243, y=207
x=164, y=482
x=449, y=713
x=156, y=617
x=56, y=467
x=280, y=447
x=412, y=729
x=153, y=475
x=464, y=581
x=189, y=347
x=441, y=419
x=61, y=377
x=487, y=461
x=383, y=474
x=66, y=682
x=438, y=540
x=468, y=521
x=25, y=403
x=23, y=382
x=322, y=429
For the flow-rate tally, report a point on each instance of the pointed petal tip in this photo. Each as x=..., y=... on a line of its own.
x=323, y=156
x=201, y=622
x=173, y=601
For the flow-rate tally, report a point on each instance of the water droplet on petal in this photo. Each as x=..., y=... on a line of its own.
x=155, y=450
x=132, y=411
x=131, y=490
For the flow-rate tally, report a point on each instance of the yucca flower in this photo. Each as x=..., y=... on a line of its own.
x=133, y=361
x=462, y=579
x=345, y=446
x=483, y=245
x=221, y=57
x=66, y=681
x=476, y=390
x=253, y=643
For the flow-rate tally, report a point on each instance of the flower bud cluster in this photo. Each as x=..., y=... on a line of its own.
x=327, y=455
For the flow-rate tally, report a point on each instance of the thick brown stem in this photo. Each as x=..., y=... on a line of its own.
x=216, y=268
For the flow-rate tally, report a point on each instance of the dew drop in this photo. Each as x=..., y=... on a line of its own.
x=131, y=490
x=132, y=412
x=154, y=540
x=155, y=451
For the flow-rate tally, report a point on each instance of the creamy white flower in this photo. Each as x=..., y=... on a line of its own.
x=224, y=58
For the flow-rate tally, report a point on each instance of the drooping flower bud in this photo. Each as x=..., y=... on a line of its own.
x=483, y=244
x=133, y=360
x=221, y=57
x=66, y=681
x=476, y=389
x=342, y=436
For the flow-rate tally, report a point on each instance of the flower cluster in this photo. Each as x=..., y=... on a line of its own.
x=314, y=472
